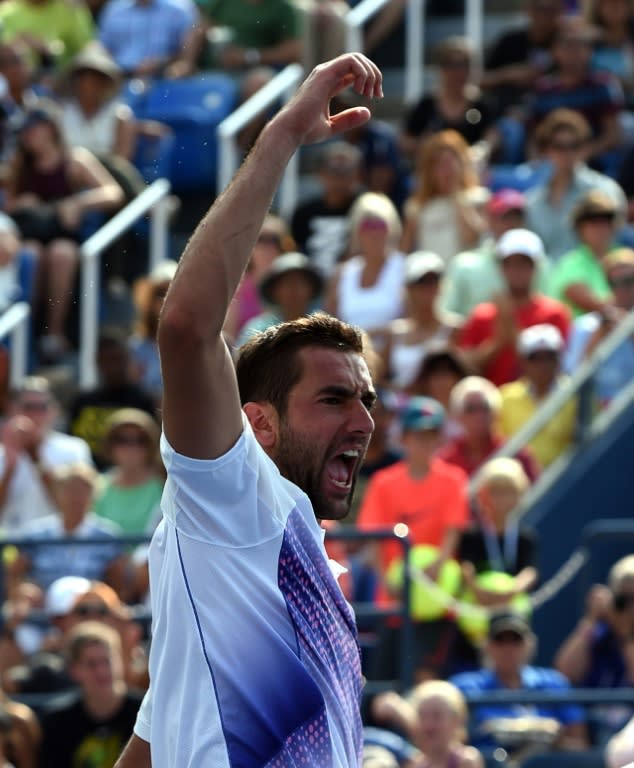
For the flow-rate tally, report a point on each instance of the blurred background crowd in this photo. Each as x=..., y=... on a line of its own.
x=482, y=236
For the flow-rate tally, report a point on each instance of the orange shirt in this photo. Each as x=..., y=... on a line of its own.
x=429, y=507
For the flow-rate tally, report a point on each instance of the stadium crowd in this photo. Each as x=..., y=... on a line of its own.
x=481, y=290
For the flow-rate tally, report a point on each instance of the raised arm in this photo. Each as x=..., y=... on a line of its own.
x=201, y=407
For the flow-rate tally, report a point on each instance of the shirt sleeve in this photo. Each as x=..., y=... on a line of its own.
x=144, y=717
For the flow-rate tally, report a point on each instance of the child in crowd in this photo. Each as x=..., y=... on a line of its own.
x=434, y=717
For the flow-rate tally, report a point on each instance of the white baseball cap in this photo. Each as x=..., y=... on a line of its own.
x=539, y=338
x=421, y=263
x=521, y=241
x=62, y=594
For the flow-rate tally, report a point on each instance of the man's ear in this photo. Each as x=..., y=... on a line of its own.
x=264, y=423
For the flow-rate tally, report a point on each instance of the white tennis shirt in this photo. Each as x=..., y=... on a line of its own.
x=254, y=658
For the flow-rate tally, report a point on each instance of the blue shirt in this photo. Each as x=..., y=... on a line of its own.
x=133, y=32
x=615, y=372
x=533, y=679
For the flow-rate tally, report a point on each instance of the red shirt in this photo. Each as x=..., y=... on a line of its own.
x=480, y=327
x=455, y=452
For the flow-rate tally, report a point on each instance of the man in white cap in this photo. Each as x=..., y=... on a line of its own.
x=539, y=348
x=490, y=333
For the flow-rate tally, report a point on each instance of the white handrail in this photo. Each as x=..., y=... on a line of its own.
x=355, y=19
x=415, y=51
x=474, y=13
x=560, y=396
x=283, y=85
x=14, y=322
x=414, y=44
x=153, y=199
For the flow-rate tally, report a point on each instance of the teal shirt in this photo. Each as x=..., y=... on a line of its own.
x=579, y=265
x=135, y=509
x=261, y=24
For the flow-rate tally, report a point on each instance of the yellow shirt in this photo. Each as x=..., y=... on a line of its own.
x=519, y=405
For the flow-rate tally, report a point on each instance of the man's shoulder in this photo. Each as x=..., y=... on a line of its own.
x=64, y=708
x=446, y=472
x=483, y=312
x=478, y=680
x=547, y=305
x=390, y=475
x=514, y=391
x=64, y=447
x=543, y=677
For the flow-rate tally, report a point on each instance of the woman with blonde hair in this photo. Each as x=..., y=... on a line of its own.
x=434, y=717
x=443, y=213
x=366, y=290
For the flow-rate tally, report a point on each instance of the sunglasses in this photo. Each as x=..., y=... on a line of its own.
x=543, y=357
x=41, y=406
x=86, y=609
x=476, y=408
x=455, y=64
x=504, y=638
x=269, y=239
x=621, y=602
x=128, y=439
x=627, y=281
x=566, y=146
x=373, y=225
x=431, y=278
x=602, y=218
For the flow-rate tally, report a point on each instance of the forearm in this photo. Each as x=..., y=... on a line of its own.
x=215, y=257
x=100, y=198
x=135, y=755
x=583, y=297
x=573, y=657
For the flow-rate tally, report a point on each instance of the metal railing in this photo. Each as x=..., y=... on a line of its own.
x=282, y=86
x=153, y=199
x=15, y=324
x=579, y=384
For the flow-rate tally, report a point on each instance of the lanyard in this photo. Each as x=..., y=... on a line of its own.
x=506, y=560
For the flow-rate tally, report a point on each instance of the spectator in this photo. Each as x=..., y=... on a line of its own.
x=73, y=488
x=253, y=34
x=442, y=368
x=94, y=116
x=20, y=94
x=96, y=725
x=21, y=733
x=149, y=293
x=456, y=103
x=129, y=493
x=17, y=265
x=50, y=190
x=496, y=542
x=599, y=652
x=394, y=496
x=520, y=56
x=539, y=348
x=31, y=450
x=434, y=716
x=613, y=52
x=366, y=290
x=274, y=240
x=124, y=30
x=443, y=213
x=290, y=288
x=475, y=403
x=474, y=277
x=407, y=339
x=490, y=332
x=579, y=279
x=563, y=137
x=589, y=330
x=320, y=225
x=52, y=30
x=509, y=646
x=90, y=410
x=573, y=85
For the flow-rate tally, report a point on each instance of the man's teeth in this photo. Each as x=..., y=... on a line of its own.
x=351, y=454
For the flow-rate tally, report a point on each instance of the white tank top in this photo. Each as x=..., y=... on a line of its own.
x=376, y=305
x=406, y=359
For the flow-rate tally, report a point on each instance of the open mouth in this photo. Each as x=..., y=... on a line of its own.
x=341, y=468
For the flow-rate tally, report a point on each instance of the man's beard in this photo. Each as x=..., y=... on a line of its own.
x=299, y=463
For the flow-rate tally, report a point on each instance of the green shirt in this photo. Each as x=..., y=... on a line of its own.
x=135, y=509
x=68, y=23
x=579, y=266
x=259, y=24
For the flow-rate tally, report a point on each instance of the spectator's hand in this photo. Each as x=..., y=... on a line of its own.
x=27, y=200
x=19, y=435
x=233, y=57
x=179, y=69
x=150, y=66
x=70, y=213
x=505, y=326
x=386, y=707
x=432, y=571
x=9, y=247
x=599, y=603
x=307, y=119
x=468, y=574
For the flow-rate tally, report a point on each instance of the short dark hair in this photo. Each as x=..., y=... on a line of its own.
x=268, y=364
x=562, y=119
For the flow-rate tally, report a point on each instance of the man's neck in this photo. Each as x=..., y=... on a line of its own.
x=107, y=706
